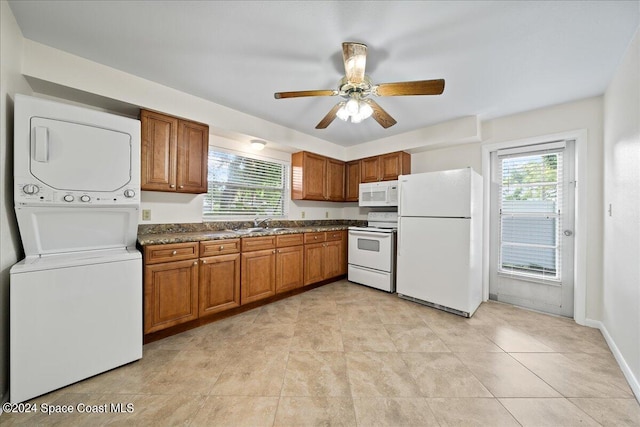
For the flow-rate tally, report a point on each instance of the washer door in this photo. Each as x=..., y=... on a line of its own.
x=54, y=230
x=75, y=157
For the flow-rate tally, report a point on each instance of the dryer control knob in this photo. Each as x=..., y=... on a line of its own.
x=129, y=193
x=68, y=198
x=85, y=198
x=30, y=189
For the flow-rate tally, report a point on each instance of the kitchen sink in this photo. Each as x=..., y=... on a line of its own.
x=249, y=230
x=257, y=230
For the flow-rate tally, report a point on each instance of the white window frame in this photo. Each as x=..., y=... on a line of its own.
x=286, y=190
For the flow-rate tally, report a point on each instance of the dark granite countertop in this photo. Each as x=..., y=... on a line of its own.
x=182, y=233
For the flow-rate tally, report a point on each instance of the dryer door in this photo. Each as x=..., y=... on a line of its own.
x=75, y=157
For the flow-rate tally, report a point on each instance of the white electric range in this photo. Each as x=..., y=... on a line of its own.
x=372, y=252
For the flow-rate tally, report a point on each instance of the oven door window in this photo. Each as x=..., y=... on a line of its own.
x=368, y=245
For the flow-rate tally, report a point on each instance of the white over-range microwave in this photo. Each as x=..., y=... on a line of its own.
x=384, y=193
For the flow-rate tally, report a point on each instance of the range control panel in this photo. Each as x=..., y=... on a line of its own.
x=35, y=193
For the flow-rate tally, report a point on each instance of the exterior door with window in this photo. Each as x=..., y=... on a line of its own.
x=532, y=218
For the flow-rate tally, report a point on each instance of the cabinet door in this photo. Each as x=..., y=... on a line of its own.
x=344, y=248
x=333, y=259
x=395, y=164
x=335, y=180
x=193, y=155
x=258, y=275
x=289, y=268
x=170, y=294
x=352, y=177
x=370, y=169
x=313, y=263
x=308, y=181
x=158, y=151
x=219, y=287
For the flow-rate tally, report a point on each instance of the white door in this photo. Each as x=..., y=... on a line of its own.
x=436, y=194
x=532, y=218
x=437, y=262
x=76, y=157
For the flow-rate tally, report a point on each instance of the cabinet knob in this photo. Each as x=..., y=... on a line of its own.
x=221, y=247
x=182, y=186
x=174, y=252
x=172, y=186
x=274, y=251
x=195, y=262
x=204, y=261
x=315, y=237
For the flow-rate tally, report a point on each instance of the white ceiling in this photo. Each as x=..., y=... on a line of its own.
x=497, y=57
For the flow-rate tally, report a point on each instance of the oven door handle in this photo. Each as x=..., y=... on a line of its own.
x=372, y=234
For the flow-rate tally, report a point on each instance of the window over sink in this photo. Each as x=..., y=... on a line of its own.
x=245, y=185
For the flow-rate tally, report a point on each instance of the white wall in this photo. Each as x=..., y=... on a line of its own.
x=11, y=82
x=457, y=157
x=584, y=114
x=621, y=284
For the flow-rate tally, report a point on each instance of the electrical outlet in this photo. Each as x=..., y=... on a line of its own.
x=146, y=214
x=326, y=214
x=302, y=214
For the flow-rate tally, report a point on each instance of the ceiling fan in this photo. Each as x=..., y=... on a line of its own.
x=356, y=87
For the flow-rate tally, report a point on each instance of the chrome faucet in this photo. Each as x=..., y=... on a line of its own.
x=257, y=223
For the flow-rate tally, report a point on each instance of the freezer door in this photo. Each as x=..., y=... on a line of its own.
x=439, y=261
x=437, y=194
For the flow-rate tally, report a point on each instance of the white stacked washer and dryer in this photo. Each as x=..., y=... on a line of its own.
x=76, y=298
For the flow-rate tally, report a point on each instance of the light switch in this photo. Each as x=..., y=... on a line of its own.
x=146, y=214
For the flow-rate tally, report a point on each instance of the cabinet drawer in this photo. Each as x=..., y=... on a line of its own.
x=154, y=254
x=258, y=243
x=219, y=247
x=314, y=237
x=334, y=235
x=289, y=240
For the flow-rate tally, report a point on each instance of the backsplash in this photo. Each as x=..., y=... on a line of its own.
x=232, y=225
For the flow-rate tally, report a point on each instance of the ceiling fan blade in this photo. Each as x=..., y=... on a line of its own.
x=381, y=116
x=331, y=115
x=355, y=61
x=301, y=93
x=421, y=87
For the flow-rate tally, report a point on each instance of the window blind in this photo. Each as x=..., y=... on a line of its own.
x=245, y=186
x=531, y=213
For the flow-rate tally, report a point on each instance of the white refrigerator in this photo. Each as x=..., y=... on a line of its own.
x=440, y=240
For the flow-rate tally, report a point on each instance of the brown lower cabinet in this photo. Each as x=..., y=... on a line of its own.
x=187, y=281
x=324, y=256
x=219, y=283
x=170, y=294
x=258, y=275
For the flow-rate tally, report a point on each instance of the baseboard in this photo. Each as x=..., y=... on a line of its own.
x=628, y=374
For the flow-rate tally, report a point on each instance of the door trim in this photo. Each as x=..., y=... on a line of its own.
x=581, y=212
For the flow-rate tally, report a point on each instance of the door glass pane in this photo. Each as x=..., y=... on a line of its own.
x=530, y=215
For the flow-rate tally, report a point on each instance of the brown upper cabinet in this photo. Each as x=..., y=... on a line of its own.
x=352, y=177
x=315, y=177
x=386, y=167
x=174, y=154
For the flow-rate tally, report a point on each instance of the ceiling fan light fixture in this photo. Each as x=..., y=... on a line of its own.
x=342, y=112
x=257, y=144
x=365, y=111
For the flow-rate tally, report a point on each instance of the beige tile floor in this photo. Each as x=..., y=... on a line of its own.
x=344, y=354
